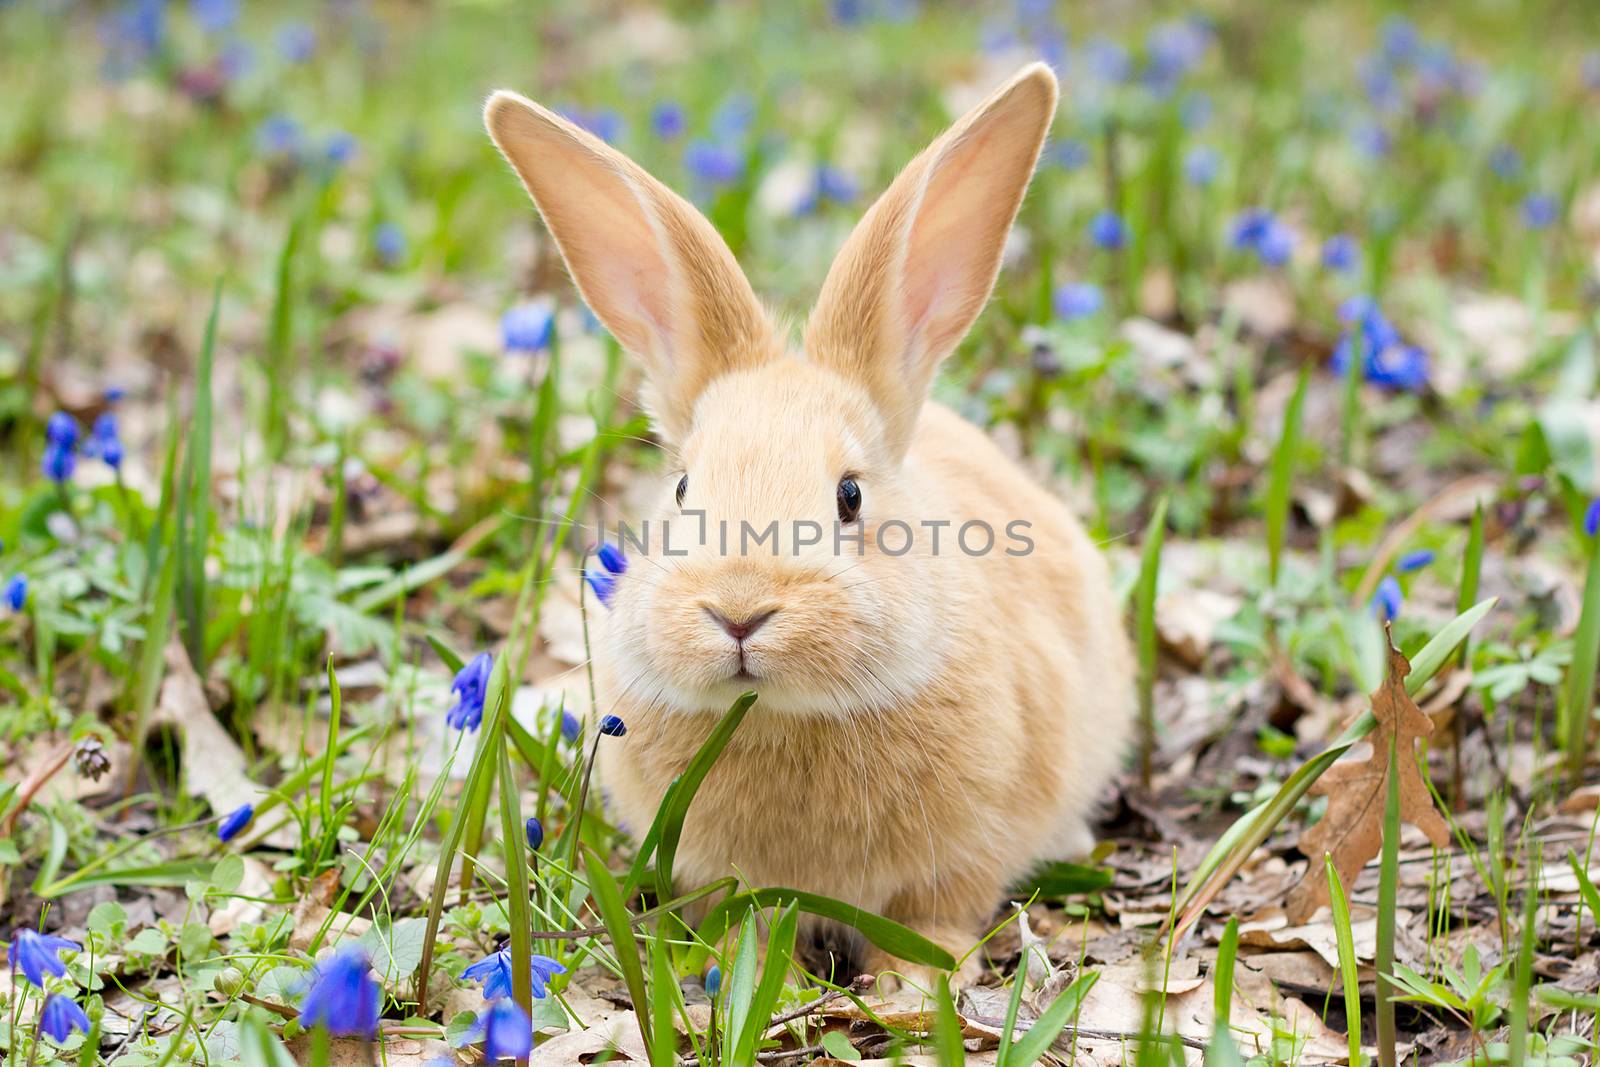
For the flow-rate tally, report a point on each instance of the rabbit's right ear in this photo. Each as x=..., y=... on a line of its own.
x=913, y=276
x=648, y=264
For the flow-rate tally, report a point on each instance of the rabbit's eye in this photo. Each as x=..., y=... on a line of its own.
x=683, y=487
x=849, y=500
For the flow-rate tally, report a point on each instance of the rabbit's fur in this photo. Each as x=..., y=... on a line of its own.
x=929, y=724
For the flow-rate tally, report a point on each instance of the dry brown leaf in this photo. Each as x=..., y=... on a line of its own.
x=1352, y=829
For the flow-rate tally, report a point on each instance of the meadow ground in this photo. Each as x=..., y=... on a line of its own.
x=301, y=417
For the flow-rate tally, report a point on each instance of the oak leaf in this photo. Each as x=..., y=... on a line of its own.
x=1352, y=830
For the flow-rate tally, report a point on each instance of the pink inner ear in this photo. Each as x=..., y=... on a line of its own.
x=950, y=250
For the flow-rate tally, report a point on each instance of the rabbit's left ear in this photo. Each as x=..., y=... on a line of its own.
x=652, y=268
x=911, y=279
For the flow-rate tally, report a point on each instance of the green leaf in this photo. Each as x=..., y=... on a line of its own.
x=1060, y=879
x=837, y=1045
x=395, y=950
x=1345, y=938
x=228, y=874
x=780, y=951
x=1280, y=480
x=1144, y=606
x=614, y=914
x=1578, y=703
x=1054, y=1019
x=667, y=826
x=892, y=937
x=947, y=1028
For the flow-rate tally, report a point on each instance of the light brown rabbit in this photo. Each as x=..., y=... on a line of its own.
x=933, y=718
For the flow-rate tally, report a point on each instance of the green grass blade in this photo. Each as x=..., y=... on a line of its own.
x=1522, y=981
x=1579, y=696
x=1280, y=479
x=947, y=1029
x=1388, y=886
x=1348, y=974
x=614, y=914
x=663, y=1004
x=279, y=351
x=682, y=793
x=739, y=985
x=892, y=937
x=194, y=517
x=780, y=951
x=1222, y=974
x=666, y=828
x=1144, y=606
x=1471, y=571
x=1054, y=1019
x=518, y=910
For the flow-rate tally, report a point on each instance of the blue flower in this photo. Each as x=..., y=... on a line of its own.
x=1107, y=60
x=494, y=970
x=1276, y=245
x=733, y=117
x=1540, y=211
x=1068, y=154
x=389, y=241
x=1372, y=140
x=1386, y=602
x=1505, y=162
x=1339, y=252
x=340, y=148
x=1077, y=300
x=612, y=726
x=1260, y=231
x=133, y=33
x=713, y=163
x=836, y=185
x=37, y=955
x=1200, y=165
x=235, y=821
x=1385, y=359
x=104, y=441
x=236, y=59
x=534, y=831
x=570, y=726
x=57, y=463
x=667, y=120
x=1400, y=39
x=1108, y=231
x=471, y=687
x=343, y=995
x=713, y=980
x=1414, y=561
x=1591, y=517
x=279, y=135
x=1591, y=72
x=60, y=1016
x=63, y=430
x=297, y=41
x=214, y=16
x=603, y=584
x=1248, y=227
x=115, y=393
x=507, y=1031
x=16, y=592
x=612, y=559
x=528, y=328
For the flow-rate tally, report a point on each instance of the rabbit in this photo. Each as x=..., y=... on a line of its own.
x=931, y=721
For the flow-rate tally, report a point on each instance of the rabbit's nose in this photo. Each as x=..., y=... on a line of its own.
x=739, y=629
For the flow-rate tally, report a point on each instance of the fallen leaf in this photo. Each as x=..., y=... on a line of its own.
x=1352, y=829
